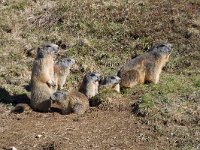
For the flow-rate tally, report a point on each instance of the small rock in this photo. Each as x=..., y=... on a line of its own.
x=64, y=46
x=13, y=148
x=38, y=136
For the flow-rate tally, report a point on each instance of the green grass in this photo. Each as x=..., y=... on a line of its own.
x=103, y=35
x=173, y=101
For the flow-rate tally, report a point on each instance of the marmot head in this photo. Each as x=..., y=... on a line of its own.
x=162, y=50
x=47, y=49
x=66, y=62
x=110, y=81
x=58, y=96
x=165, y=48
x=92, y=77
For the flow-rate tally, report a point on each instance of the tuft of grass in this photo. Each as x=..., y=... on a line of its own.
x=20, y=6
x=103, y=97
x=103, y=35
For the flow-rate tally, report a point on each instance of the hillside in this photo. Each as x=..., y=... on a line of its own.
x=101, y=36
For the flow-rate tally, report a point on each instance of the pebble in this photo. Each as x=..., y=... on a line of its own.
x=38, y=136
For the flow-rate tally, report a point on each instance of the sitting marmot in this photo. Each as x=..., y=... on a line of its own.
x=145, y=68
x=42, y=78
x=61, y=71
x=90, y=84
x=75, y=102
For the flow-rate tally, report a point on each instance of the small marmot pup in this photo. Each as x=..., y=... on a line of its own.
x=42, y=78
x=110, y=82
x=72, y=102
x=62, y=70
x=146, y=67
x=90, y=84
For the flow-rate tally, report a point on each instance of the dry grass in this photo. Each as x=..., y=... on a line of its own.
x=103, y=35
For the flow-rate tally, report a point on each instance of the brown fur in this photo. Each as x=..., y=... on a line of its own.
x=42, y=79
x=62, y=71
x=73, y=102
x=145, y=68
x=110, y=83
x=90, y=84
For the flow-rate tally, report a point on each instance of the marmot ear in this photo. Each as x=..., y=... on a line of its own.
x=119, y=73
x=101, y=81
x=65, y=96
x=38, y=49
x=39, y=53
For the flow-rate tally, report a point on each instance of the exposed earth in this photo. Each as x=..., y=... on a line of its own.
x=101, y=35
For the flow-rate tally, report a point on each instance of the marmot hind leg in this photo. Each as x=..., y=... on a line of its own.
x=129, y=79
x=79, y=109
x=153, y=78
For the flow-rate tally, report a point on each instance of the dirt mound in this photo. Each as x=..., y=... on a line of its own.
x=95, y=130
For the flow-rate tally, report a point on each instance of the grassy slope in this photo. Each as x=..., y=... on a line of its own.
x=103, y=35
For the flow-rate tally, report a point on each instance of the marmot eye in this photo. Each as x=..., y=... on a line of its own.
x=92, y=75
x=162, y=45
x=112, y=78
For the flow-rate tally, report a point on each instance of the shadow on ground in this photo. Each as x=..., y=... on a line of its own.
x=7, y=98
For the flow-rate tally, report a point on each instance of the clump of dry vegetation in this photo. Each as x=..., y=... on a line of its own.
x=101, y=36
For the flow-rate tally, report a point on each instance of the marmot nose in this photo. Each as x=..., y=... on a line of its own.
x=118, y=81
x=56, y=49
x=170, y=45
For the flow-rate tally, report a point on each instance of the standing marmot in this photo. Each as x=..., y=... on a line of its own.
x=146, y=67
x=75, y=102
x=42, y=78
x=90, y=84
x=62, y=70
x=110, y=82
